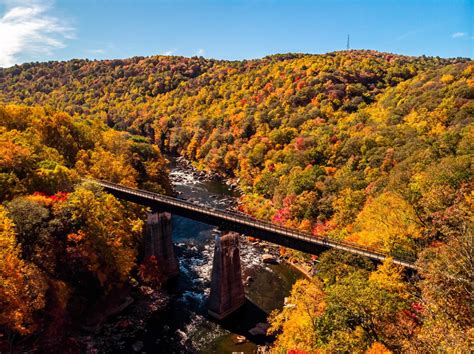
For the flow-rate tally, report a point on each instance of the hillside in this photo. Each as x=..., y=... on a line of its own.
x=64, y=245
x=121, y=91
x=371, y=147
x=313, y=139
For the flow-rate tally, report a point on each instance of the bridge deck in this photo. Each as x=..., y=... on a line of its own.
x=233, y=221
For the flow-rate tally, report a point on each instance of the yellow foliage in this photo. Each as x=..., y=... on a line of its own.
x=107, y=237
x=12, y=154
x=438, y=129
x=105, y=165
x=388, y=222
x=417, y=120
x=389, y=276
x=297, y=320
x=378, y=348
x=447, y=78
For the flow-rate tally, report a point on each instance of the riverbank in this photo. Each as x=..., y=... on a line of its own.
x=119, y=327
x=307, y=273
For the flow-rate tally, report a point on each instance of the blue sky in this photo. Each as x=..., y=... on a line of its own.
x=41, y=30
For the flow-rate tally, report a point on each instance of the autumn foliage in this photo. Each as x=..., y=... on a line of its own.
x=362, y=146
x=63, y=242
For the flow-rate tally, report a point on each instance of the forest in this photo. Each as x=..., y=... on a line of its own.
x=369, y=147
x=64, y=243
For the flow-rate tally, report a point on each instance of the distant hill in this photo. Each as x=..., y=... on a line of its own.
x=119, y=90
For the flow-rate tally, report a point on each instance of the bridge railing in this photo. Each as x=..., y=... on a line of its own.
x=238, y=217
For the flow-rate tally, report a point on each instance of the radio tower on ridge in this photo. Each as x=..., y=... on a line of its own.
x=348, y=46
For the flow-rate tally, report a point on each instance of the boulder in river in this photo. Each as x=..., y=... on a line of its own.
x=260, y=329
x=248, y=280
x=268, y=258
x=239, y=339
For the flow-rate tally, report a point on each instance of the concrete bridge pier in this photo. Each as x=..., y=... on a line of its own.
x=159, y=243
x=227, y=290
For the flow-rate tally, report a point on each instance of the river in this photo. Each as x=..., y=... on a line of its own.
x=183, y=325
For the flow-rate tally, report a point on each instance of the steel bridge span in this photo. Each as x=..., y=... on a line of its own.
x=244, y=224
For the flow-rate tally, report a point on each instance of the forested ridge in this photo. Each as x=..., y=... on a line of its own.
x=370, y=147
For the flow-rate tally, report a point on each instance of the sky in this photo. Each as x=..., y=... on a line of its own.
x=43, y=30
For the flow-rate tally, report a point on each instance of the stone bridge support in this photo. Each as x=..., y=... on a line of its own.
x=227, y=290
x=159, y=243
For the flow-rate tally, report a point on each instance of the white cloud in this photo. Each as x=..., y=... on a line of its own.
x=458, y=34
x=170, y=52
x=200, y=52
x=26, y=27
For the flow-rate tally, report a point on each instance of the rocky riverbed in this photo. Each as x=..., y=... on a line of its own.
x=174, y=319
x=184, y=166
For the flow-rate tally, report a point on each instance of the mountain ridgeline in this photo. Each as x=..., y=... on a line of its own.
x=375, y=148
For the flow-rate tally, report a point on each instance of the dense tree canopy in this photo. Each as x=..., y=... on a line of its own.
x=63, y=241
x=369, y=147
x=319, y=139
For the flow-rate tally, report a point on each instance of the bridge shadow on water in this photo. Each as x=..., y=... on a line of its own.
x=245, y=319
